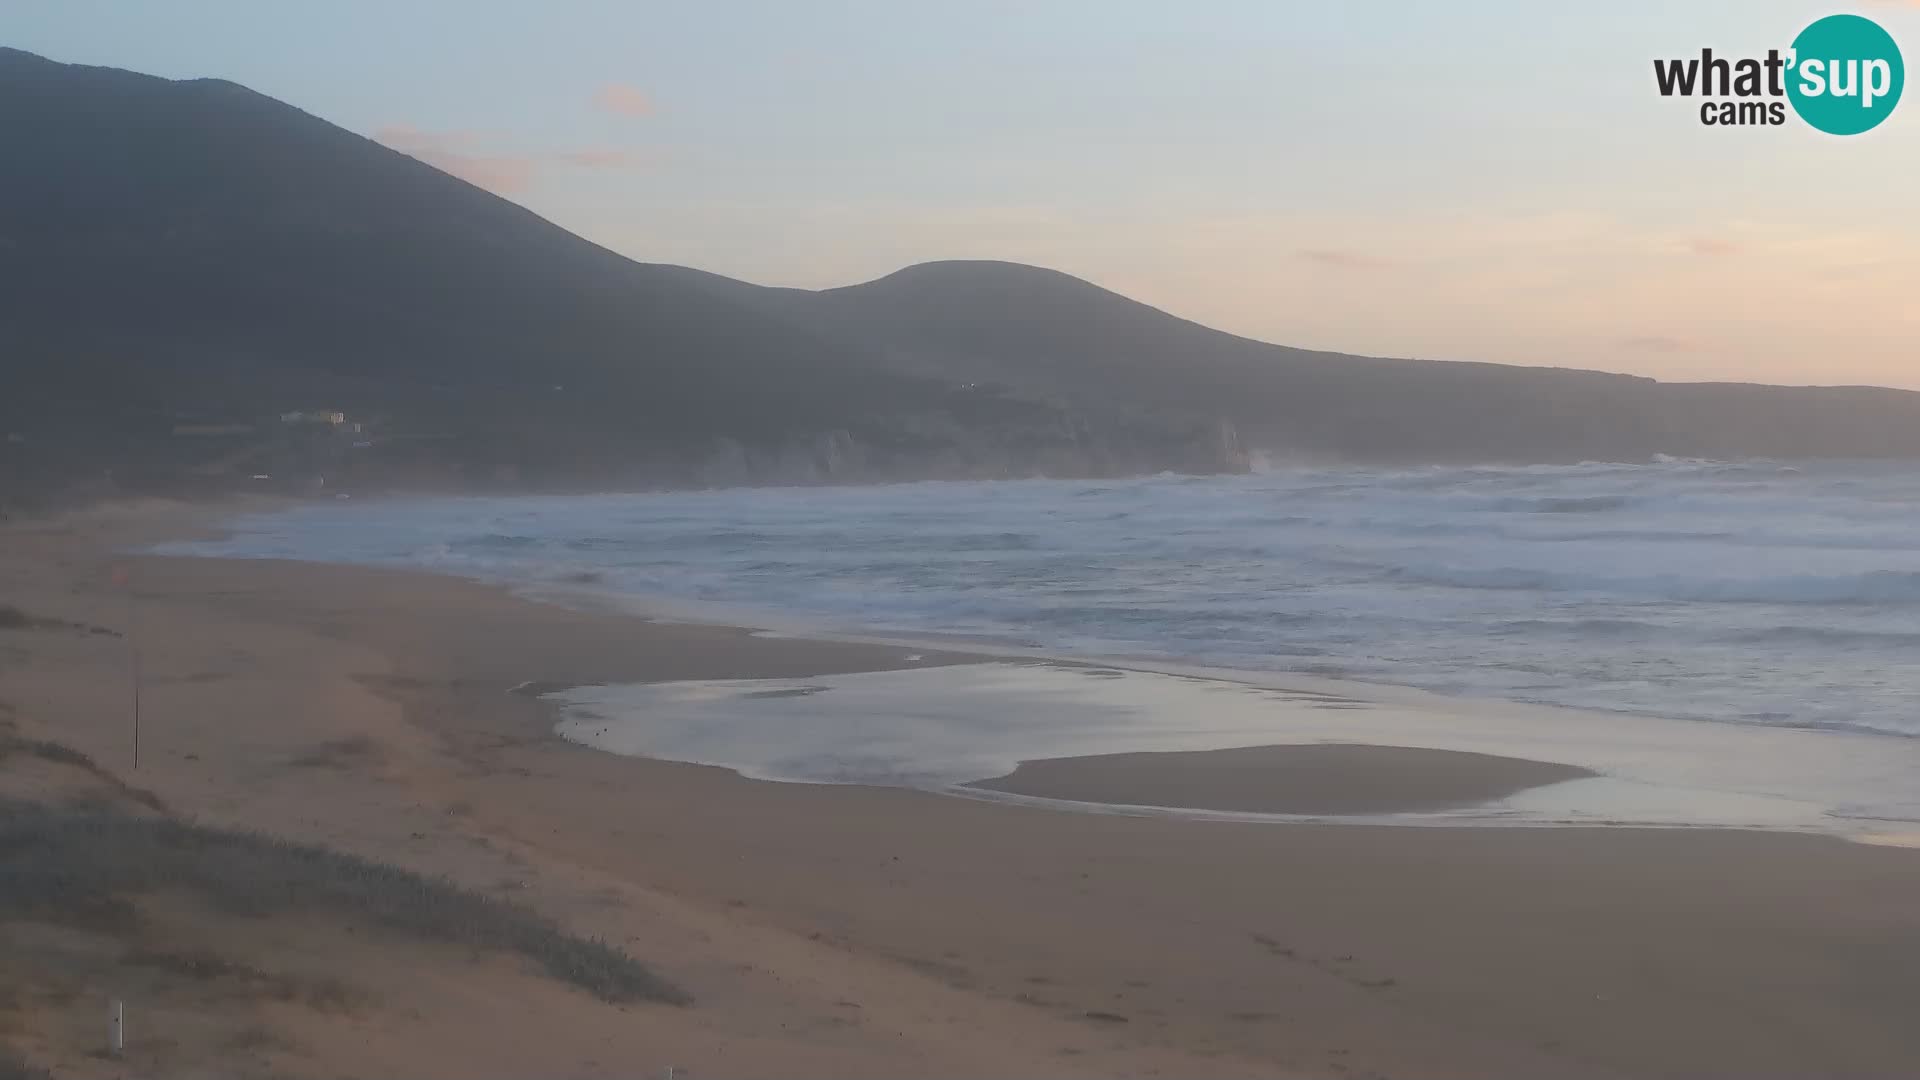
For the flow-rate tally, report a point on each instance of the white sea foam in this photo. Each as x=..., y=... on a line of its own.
x=1749, y=592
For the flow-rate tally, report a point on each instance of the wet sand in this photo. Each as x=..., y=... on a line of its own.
x=1171, y=742
x=841, y=930
x=1321, y=779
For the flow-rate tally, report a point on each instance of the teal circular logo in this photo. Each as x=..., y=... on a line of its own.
x=1846, y=74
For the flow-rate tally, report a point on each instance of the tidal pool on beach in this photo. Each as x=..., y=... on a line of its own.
x=1136, y=741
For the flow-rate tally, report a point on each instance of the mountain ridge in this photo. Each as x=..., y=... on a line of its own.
x=193, y=254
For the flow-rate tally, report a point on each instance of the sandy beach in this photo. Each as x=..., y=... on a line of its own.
x=842, y=930
x=1328, y=779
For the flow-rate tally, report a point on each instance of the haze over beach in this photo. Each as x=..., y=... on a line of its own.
x=854, y=540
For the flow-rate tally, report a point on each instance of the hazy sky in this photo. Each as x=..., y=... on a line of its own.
x=1492, y=181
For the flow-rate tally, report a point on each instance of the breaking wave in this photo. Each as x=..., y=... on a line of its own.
x=1748, y=592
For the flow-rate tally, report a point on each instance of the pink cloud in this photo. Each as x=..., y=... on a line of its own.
x=1342, y=259
x=624, y=99
x=503, y=174
x=466, y=154
x=1712, y=245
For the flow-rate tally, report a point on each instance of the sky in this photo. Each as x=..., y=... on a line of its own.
x=1492, y=181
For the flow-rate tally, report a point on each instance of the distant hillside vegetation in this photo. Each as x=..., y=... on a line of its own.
x=1047, y=332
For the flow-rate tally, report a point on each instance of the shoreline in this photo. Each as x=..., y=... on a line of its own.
x=1069, y=782
x=1558, y=801
x=776, y=624
x=1335, y=628
x=931, y=726
x=973, y=936
x=163, y=523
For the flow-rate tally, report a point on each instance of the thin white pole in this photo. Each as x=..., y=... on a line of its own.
x=123, y=577
x=116, y=1027
x=136, y=680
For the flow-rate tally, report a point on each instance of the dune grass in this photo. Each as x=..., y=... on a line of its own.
x=46, y=751
x=12, y=618
x=203, y=965
x=11, y=744
x=84, y=867
x=14, y=1067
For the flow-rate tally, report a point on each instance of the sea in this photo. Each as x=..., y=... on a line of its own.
x=1759, y=593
